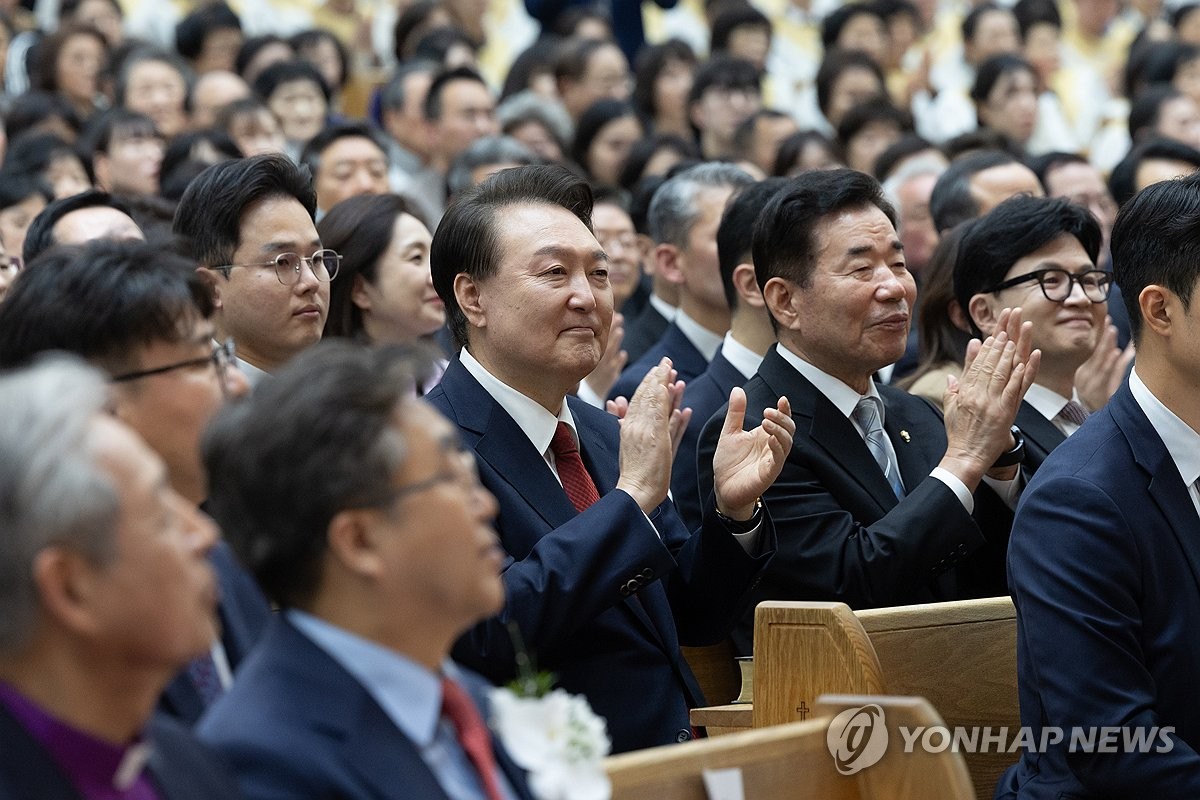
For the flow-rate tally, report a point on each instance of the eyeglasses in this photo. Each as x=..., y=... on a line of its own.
x=462, y=471
x=324, y=264
x=10, y=264
x=222, y=357
x=1057, y=284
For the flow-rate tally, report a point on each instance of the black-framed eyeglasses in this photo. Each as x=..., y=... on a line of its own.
x=222, y=357
x=324, y=265
x=1057, y=284
x=10, y=263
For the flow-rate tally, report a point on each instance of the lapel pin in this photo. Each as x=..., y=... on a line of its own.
x=904, y=435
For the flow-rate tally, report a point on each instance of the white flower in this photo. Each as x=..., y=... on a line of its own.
x=558, y=739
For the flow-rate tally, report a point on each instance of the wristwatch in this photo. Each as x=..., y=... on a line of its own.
x=1014, y=456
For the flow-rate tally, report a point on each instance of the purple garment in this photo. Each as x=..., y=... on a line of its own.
x=93, y=767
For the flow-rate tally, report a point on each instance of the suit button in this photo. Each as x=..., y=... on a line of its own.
x=683, y=736
x=647, y=573
x=624, y=590
x=632, y=587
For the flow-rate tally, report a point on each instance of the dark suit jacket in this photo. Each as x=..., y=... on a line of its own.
x=1041, y=437
x=642, y=331
x=180, y=767
x=244, y=613
x=626, y=18
x=685, y=358
x=704, y=395
x=843, y=536
x=1105, y=566
x=298, y=725
x=600, y=600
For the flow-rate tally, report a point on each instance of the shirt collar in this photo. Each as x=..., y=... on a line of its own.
x=744, y=360
x=536, y=422
x=1047, y=402
x=663, y=307
x=253, y=374
x=1181, y=441
x=840, y=394
x=704, y=340
x=93, y=765
x=408, y=693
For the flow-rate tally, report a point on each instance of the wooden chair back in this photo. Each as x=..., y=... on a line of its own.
x=716, y=670
x=961, y=656
x=793, y=762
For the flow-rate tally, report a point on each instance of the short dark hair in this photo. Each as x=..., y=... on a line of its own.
x=1012, y=230
x=993, y=69
x=836, y=20
x=197, y=26
x=1156, y=241
x=17, y=187
x=251, y=48
x=732, y=17
x=1122, y=181
x=834, y=65
x=735, y=235
x=313, y=441
x=898, y=151
x=143, y=54
x=592, y=121
x=361, y=229
x=43, y=56
x=1035, y=12
x=97, y=137
x=785, y=236
x=951, y=202
x=743, y=135
x=281, y=72
x=392, y=96
x=311, y=155
x=186, y=147
x=209, y=216
x=651, y=60
x=645, y=148
x=32, y=108
x=792, y=148
x=433, y=100
x=725, y=72
x=878, y=109
x=1047, y=163
x=34, y=152
x=308, y=39
x=970, y=23
x=105, y=299
x=1146, y=109
x=40, y=236
x=468, y=240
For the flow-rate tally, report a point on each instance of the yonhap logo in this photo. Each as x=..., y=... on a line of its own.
x=857, y=738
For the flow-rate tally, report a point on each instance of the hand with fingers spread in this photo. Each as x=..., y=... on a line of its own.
x=980, y=406
x=650, y=430
x=746, y=463
x=1100, y=376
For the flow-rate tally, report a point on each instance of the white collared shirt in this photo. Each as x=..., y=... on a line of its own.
x=664, y=308
x=704, y=340
x=1049, y=403
x=1181, y=441
x=253, y=374
x=743, y=359
x=846, y=400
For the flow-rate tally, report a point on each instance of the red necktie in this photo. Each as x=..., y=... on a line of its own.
x=473, y=735
x=574, y=476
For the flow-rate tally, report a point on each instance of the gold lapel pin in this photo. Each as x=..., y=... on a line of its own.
x=904, y=435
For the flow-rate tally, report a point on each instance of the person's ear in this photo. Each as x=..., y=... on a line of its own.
x=668, y=262
x=353, y=542
x=101, y=169
x=360, y=293
x=215, y=280
x=470, y=300
x=982, y=314
x=746, y=284
x=782, y=300
x=67, y=586
x=1157, y=305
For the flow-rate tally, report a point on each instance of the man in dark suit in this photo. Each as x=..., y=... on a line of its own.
x=1040, y=254
x=357, y=509
x=750, y=336
x=1104, y=561
x=106, y=592
x=145, y=317
x=603, y=580
x=874, y=506
x=647, y=326
x=684, y=216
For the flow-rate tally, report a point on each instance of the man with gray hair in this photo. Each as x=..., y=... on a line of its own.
x=402, y=116
x=684, y=216
x=105, y=594
x=908, y=190
x=486, y=156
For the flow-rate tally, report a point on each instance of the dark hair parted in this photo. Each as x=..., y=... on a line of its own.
x=1122, y=181
x=1019, y=226
x=951, y=202
x=725, y=72
x=361, y=229
x=315, y=440
x=1156, y=241
x=468, y=237
x=735, y=234
x=433, y=99
x=106, y=299
x=785, y=236
x=210, y=212
x=316, y=147
x=40, y=235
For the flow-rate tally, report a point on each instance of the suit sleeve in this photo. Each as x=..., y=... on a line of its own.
x=1076, y=569
x=825, y=553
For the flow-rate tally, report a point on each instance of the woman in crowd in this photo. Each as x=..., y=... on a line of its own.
x=604, y=137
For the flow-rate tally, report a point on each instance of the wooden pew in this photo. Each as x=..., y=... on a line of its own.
x=961, y=656
x=793, y=762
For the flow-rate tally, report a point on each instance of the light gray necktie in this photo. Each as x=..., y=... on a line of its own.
x=1073, y=412
x=867, y=415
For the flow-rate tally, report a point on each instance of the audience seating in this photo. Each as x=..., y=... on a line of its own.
x=793, y=762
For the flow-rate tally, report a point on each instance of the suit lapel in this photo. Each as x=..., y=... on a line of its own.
x=26, y=770
x=1166, y=486
x=386, y=759
x=1038, y=430
x=910, y=434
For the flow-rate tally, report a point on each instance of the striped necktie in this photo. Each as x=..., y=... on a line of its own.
x=867, y=415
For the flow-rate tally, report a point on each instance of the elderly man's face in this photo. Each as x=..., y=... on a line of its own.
x=153, y=604
x=96, y=222
x=991, y=187
x=270, y=321
x=350, y=166
x=917, y=231
x=853, y=317
x=543, y=318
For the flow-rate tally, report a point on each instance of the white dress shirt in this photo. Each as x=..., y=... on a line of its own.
x=1181, y=440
